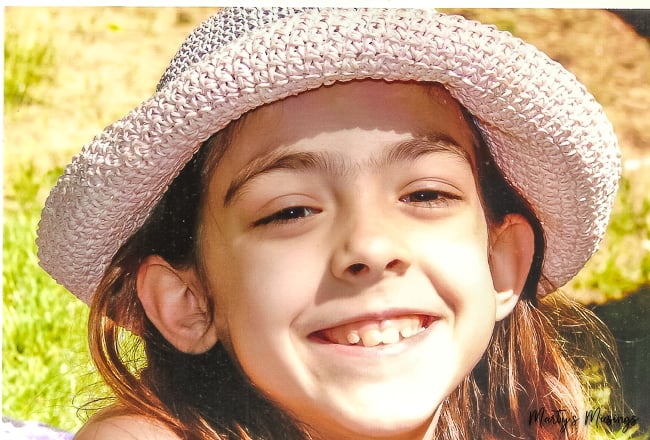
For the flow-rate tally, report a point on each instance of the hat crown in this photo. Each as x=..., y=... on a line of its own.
x=218, y=31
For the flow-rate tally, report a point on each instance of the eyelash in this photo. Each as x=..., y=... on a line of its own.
x=287, y=215
x=429, y=198
x=424, y=198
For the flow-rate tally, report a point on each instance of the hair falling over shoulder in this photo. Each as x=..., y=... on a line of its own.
x=534, y=365
x=195, y=396
x=535, y=360
x=537, y=357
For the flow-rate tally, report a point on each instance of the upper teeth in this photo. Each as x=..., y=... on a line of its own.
x=371, y=333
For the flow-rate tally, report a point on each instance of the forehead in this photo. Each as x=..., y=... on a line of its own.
x=407, y=109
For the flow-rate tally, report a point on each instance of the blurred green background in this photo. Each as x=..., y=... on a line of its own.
x=71, y=71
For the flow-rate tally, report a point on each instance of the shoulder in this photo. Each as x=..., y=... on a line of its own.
x=128, y=427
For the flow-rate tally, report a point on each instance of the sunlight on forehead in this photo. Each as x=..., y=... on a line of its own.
x=347, y=128
x=335, y=163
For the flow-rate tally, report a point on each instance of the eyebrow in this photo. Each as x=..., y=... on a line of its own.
x=336, y=165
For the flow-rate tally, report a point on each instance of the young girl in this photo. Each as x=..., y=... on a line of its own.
x=341, y=224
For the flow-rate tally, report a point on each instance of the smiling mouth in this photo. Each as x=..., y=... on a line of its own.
x=374, y=332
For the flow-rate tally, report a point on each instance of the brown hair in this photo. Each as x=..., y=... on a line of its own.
x=528, y=365
x=196, y=396
x=535, y=361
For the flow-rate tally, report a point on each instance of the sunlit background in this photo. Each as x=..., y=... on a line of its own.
x=71, y=71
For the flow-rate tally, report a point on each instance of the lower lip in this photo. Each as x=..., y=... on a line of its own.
x=377, y=351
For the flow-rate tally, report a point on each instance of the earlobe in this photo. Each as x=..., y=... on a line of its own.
x=174, y=302
x=512, y=247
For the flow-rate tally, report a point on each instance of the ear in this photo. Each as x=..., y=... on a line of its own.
x=175, y=303
x=512, y=247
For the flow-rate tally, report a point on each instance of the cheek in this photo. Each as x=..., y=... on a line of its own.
x=262, y=287
x=458, y=245
x=461, y=278
x=263, y=290
x=278, y=277
x=457, y=266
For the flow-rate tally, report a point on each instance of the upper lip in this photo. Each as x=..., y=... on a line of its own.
x=374, y=316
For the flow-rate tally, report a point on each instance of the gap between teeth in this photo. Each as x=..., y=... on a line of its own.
x=373, y=333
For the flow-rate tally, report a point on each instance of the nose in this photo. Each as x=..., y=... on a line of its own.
x=369, y=248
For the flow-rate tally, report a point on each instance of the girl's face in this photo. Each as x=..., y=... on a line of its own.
x=347, y=250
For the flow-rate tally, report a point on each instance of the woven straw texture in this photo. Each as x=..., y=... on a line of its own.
x=547, y=133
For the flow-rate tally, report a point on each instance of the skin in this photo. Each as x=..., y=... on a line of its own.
x=310, y=223
x=352, y=204
x=126, y=427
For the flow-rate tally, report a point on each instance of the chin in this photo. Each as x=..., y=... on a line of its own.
x=378, y=423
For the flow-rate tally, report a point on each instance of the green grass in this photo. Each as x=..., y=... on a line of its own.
x=28, y=64
x=622, y=264
x=46, y=369
x=47, y=372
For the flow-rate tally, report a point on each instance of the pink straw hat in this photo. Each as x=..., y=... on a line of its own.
x=546, y=132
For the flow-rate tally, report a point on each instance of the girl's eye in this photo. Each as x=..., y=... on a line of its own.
x=428, y=198
x=287, y=215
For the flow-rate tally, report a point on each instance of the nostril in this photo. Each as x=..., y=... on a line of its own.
x=396, y=265
x=393, y=264
x=357, y=268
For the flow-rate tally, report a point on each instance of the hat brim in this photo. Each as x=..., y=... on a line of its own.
x=548, y=135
